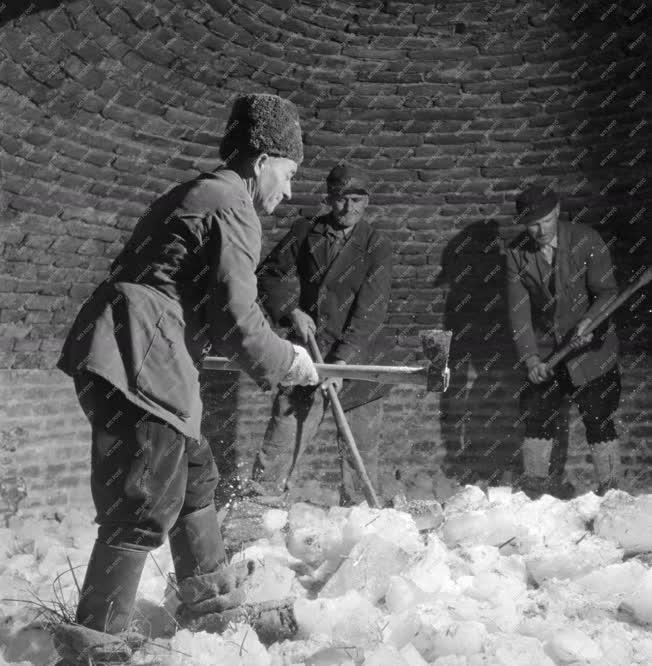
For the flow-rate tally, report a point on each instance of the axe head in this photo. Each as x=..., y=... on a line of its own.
x=436, y=348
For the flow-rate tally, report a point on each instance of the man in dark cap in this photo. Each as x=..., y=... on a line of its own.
x=184, y=282
x=332, y=276
x=559, y=278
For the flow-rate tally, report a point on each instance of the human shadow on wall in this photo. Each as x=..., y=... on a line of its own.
x=480, y=423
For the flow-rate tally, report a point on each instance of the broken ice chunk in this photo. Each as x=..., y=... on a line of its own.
x=571, y=560
x=639, y=603
x=451, y=638
x=626, y=520
x=613, y=581
x=347, y=620
x=411, y=656
x=383, y=656
x=368, y=569
x=316, y=542
x=430, y=571
x=403, y=594
x=492, y=526
x=270, y=581
x=274, y=520
x=238, y=645
x=515, y=650
x=470, y=498
x=572, y=646
x=327, y=656
x=398, y=525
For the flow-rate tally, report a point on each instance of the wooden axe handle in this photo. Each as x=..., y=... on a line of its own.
x=619, y=300
x=345, y=430
x=383, y=374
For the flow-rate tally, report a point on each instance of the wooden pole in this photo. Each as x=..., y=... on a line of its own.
x=345, y=430
x=619, y=300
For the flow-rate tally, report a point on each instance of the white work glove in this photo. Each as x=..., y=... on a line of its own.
x=302, y=371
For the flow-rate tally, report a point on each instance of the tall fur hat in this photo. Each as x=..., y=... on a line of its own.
x=262, y=124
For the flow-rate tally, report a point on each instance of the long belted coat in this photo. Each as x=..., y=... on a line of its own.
x=584, y=283
x=347, y=298
x=185, y=281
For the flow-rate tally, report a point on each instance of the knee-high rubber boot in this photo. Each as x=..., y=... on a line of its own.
x=109, y=591
x=606, y=463
x=196, y=543
x=105, y=609
x=536, y=466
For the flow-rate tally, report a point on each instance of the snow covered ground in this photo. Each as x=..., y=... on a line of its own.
x=502, y=581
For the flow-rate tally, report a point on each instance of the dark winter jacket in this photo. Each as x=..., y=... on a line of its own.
x=583, y=284
x=185, y=281
x=347, y=299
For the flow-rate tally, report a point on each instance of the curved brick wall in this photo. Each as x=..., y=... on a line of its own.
x=450, y=105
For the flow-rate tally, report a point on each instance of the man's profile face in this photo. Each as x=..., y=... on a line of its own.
x=543, y=230
x=348, y=208
x=273, y=176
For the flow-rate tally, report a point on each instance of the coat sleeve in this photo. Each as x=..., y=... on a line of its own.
x=238, y=328
x=278, y=282
x=600, y=281
x=369, y=307
x=519, y=311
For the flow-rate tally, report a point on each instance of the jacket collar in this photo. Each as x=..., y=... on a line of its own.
x=317, y=246
x=562, y=269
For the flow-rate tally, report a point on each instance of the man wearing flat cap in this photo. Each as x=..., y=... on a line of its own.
x=332, y=276
x=184, y=282
x=559, y=279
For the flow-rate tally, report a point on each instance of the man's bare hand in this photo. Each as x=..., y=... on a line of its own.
x=580, y=338
x=302, y=322
x=335, y=382
x=537, y=370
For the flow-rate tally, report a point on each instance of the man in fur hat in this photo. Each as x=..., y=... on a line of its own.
x=343, y=270
x=559, y=278
x=184, y=282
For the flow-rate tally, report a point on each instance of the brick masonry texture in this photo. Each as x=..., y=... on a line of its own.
x=451, y=106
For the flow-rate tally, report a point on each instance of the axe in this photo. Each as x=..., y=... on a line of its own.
x=434, y=375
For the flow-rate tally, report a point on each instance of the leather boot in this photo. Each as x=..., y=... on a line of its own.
x=606, y=463
x=536, y=466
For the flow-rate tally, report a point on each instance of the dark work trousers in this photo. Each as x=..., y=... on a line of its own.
x=596, y=400
x=297, y=414
x=144, y=473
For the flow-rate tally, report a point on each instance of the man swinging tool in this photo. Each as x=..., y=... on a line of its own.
x=559, y=280
x=184, y=282
x=331, y=277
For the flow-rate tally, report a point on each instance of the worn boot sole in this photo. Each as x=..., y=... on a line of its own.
x=271, y=620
